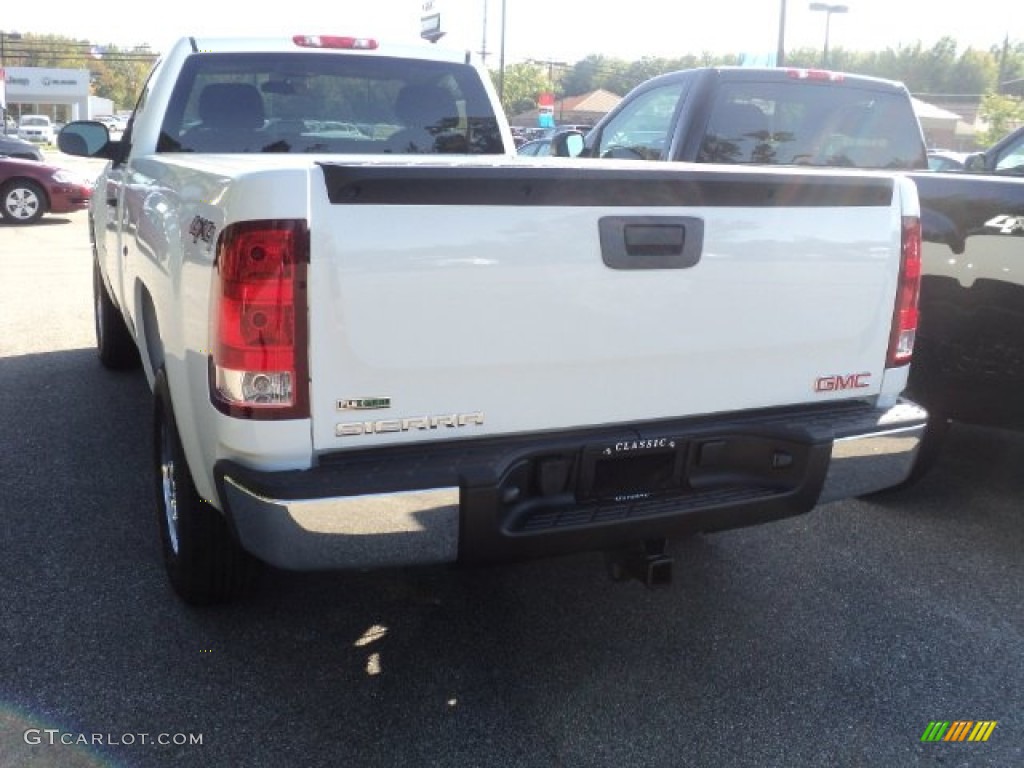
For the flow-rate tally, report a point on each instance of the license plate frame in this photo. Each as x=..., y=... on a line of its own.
x=632, y=469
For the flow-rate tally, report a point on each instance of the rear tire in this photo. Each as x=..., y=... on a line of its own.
x=204, y=562
x=114, y=344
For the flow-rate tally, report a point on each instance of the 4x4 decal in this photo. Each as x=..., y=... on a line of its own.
x=202, y=229
x=1006, y=224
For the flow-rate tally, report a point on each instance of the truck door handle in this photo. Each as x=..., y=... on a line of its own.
x=651, y=242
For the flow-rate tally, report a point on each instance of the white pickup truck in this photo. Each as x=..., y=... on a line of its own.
x=375, y=337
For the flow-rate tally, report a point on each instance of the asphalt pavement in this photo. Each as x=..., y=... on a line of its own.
x=832, y=639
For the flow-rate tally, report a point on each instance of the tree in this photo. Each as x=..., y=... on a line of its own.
x=593, y=72
x=940, y=64
x=119, y=75
x=974, y=72
x=1002, y=113
x=523, y=84
x=114, y=73
x=620, y=76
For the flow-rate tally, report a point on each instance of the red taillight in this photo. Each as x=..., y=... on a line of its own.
x=334, y=41
x=815, y=74
x=904, y=319
x=258, y=366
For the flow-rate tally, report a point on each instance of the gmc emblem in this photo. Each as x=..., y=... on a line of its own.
x=838, y=382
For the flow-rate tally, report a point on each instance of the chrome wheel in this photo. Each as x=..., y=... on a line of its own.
x=23, y=202
x=204, y=560
x=170, y=492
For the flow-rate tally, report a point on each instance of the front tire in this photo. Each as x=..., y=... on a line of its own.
x=204, y=561
x=22, y=202
x=114, y=344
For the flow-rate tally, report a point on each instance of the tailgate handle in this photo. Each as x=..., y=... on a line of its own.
x=651, y=242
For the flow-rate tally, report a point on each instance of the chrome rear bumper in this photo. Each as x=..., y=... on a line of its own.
x=370, y=531
x=875, y=460
x=344, y=515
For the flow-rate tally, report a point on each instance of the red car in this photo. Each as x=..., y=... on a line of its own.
x=29, y=189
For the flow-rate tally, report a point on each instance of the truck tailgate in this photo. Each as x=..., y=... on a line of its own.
x=588, y=295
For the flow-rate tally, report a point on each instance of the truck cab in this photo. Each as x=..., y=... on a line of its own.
x=752, y=116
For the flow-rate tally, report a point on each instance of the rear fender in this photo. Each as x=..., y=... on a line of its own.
x=147, y=333
x=939, y=228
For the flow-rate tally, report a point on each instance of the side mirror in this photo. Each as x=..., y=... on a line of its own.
x=567, y=144
x=975, y=163
x=86, y=138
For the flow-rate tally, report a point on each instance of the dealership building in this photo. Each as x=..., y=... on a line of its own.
x=61, y=94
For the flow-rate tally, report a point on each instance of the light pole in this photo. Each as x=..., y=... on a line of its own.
x=780, y=53
x=829, y=9
x=501, y=58
x=4, y=37
x=483, y=43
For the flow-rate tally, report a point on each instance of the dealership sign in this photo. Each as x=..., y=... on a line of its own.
x=430, y=22
x=24, y=83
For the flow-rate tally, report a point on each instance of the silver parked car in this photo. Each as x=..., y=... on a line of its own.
x=537, y=148
x=11, y=146
x=946, y=160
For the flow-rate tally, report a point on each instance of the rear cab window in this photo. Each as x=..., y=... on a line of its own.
x=313, y=103
x=644, y=127
x=1011, y=159
x=801, y=122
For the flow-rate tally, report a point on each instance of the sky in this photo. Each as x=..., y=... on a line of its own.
x=542, y=30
